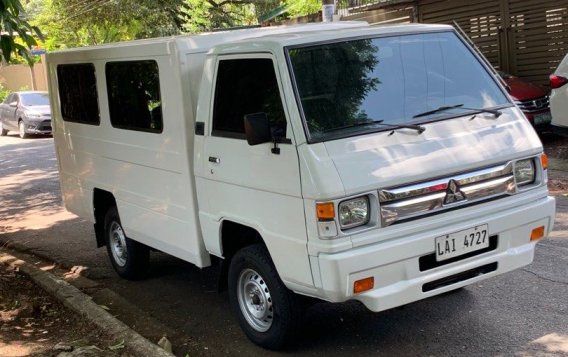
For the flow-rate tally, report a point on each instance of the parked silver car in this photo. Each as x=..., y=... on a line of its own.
x=26, y=112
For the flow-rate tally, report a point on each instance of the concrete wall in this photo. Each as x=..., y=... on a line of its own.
x=15, y=77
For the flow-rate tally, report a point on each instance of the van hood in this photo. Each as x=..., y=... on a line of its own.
x=394, y=158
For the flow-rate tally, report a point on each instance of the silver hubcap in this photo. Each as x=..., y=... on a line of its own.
x=118, y=244
x=22, y=129
x=255, y=300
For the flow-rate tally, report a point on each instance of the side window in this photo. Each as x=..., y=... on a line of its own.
x=133, y=89
x=9, y=99
x=78, y=93
x=246, y=86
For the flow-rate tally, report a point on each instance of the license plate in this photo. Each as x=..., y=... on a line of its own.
x=455, y=244
x=543, y=118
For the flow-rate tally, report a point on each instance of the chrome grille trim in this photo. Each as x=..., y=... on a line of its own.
x=533, y=105
x=408, y=202
x=395, y=194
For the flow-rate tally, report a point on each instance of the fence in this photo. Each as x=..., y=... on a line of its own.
x=524, y=37
x=16, y=77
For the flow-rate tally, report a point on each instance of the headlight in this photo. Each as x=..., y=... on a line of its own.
x=524, y=172
x=354, y=212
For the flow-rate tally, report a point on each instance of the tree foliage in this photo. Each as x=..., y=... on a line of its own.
x=73, y=23
x=14, y=27
x=303, y=7
x=206, y=15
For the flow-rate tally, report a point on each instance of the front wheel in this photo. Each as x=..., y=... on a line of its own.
x=267, y=311
x=129, y=258
x=22, y=129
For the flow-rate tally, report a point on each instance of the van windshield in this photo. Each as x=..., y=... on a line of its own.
x=347, y=88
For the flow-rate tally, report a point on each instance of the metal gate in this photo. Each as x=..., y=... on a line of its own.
x=402, y=13
x=527, y=38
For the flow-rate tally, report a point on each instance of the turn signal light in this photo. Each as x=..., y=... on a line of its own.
x=363, y=285
x=557, y=81
x=537, y=233
x=544, y=161
x=325, y=211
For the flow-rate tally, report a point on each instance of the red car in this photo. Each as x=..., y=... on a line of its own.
x=532, y=99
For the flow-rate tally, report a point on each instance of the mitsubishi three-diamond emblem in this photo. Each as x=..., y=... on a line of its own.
x=453, y=193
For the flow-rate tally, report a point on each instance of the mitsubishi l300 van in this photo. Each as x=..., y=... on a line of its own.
x=335, y=161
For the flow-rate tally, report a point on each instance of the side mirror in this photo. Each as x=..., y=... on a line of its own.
x=257, y=129
x=13, y=104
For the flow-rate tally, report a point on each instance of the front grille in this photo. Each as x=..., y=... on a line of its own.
x=427, y=262
x=404, y=203
x=456, y=278
x=45, y=125
x=533, y=105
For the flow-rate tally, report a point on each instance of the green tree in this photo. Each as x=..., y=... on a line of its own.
x=206, y=15
x=73, y=23
x=14, y=27
x=302, y=7
x=200, y=15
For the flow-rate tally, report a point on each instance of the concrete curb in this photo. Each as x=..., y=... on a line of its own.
x=79, y=302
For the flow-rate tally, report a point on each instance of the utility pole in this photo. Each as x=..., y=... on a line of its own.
x=328, y=10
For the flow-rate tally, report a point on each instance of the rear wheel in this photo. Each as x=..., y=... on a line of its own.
x=129, y=258
x=22, y=129
x=3, y=132
x=267, y=311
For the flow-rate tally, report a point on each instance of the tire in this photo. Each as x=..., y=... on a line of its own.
x=267, y=311
x=22, y=129
x=3, y=132
x=129, y=258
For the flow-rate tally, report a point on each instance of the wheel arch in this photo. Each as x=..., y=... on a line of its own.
x=102, y=201
x=235, y=236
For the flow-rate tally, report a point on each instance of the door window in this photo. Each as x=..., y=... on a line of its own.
x=9, y=99
x=246, y=86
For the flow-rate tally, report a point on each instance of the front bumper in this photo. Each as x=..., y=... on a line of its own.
x=41, y=126
x=395, y=266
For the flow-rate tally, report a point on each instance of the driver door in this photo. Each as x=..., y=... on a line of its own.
x=252, y=185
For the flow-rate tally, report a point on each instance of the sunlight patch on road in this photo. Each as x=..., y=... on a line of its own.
x=554, y=342
x=15, y=349
x=35, y=219
x=26, y=177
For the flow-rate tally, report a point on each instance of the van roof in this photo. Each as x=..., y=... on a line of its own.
x=207, y=40
x=284, y=34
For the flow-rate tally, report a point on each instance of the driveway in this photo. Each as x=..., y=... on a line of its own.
x=523, y=313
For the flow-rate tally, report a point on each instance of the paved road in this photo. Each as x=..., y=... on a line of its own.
x=523, y=313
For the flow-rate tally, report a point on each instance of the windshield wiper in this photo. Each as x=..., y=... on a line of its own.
x=418, y=128
x=495, y=113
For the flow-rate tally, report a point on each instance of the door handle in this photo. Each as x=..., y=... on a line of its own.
x=214, y=160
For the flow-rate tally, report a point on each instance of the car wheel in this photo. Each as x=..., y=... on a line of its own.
x=3, y=132
x=267, y=311
x=128, y=257
x=22, y=129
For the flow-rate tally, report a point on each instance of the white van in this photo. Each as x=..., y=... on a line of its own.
x=336, y=161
